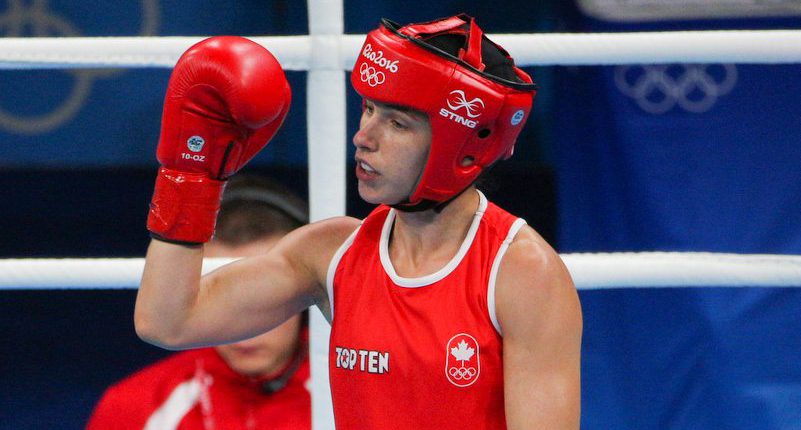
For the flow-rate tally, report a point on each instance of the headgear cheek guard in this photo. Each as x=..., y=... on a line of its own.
x=475, y=115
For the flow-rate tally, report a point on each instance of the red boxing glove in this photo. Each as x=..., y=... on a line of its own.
x=226, y=98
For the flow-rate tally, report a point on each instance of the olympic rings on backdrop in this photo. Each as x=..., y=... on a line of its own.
x=20, y=18
x=693, y=87
x=371, y=76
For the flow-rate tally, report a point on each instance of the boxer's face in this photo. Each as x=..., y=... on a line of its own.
x=268, y=353
x=391, y=149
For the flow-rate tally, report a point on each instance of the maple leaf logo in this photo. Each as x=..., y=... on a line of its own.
x=463, y=352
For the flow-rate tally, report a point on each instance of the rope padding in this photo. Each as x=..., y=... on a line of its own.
x=296, y=53
x=683, y=269
x=589, y=271
x=79, y=273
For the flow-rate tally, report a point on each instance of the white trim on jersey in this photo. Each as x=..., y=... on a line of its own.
x=441, y=273
x=182, y=399
x=516, y=226
x=332, y=268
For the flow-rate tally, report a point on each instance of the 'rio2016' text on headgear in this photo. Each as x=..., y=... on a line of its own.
x=475, y=113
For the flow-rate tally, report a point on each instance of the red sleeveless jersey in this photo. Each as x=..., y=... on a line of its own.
x=418, y=353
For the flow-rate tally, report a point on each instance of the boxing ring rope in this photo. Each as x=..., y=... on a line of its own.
x=295, y=52
x=325, y=54
x=590, y=271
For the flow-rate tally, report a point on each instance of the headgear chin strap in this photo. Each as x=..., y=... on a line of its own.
x=475, y=113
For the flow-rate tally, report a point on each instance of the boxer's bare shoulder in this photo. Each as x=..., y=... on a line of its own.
x=315, y=244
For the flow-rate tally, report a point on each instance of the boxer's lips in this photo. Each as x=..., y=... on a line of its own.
x=365, y=171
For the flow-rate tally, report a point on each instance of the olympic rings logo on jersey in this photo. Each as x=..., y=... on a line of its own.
x=694, y=88
x=370, y=75
x=462, y=360
x=459, y=101
x=462, y=372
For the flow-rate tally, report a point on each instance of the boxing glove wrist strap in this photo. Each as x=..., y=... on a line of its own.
x=184, y=207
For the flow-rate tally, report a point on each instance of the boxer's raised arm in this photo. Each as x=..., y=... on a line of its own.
x=178, y=309
x=226, y=98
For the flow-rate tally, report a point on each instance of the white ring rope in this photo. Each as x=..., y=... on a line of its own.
x=296, y=52
x=589, y=271
x=683, y=269
x=79, y=273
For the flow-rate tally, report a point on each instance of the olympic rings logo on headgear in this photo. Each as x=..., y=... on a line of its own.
x=370, y=75
x=693, y=87
x=460, y=373
x=460, y=101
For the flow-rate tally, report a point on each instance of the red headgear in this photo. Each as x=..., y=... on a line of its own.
x=473, y=114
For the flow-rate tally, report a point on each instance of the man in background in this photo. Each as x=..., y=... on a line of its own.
x=255, y=383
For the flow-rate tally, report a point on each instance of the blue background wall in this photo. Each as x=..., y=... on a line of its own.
x=600, y=174
x=684, y=158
